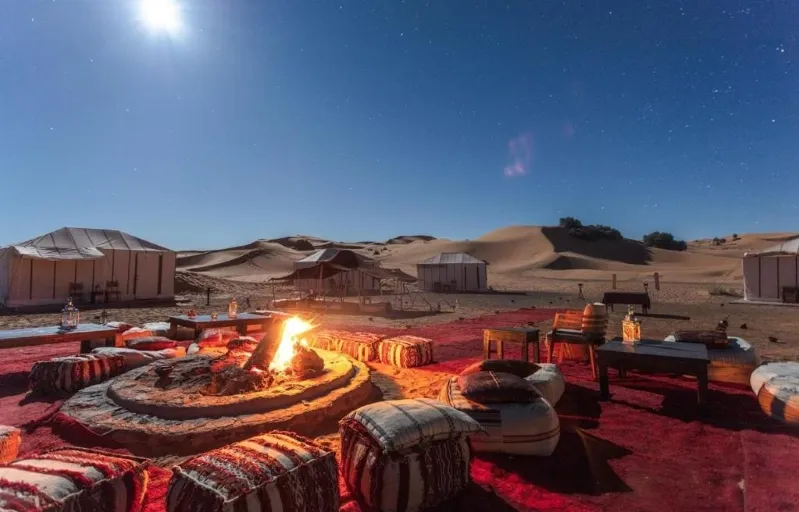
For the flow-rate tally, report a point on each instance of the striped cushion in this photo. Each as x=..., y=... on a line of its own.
x=549, y=382
x=406, y=351
x=358, y=345
x=768, y=371
x=10, y=438
x=414, y=479
x=400, y=424
x=216, y=337
x=733, y=364
x=514, y=366
x=133, y=358
x=74, y=480
x=136, y=332
x=277, y=471
x=69, y=374
x=777, y=389
x=151, y=343
x=515, y=428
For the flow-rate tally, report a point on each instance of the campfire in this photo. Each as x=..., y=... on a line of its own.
x=282, y=355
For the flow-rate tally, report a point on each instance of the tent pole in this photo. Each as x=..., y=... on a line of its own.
x=30, y=283
x=55, y=266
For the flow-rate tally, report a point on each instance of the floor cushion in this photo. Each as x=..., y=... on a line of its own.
x=158, y=328
x=270, y=472
x=710, y=339
x=10, y=439
x=406, y=351
x=136, y=332
x=497, y=387
x=74, y=480
x=515, y=366
x=119, y=326
x=71, y=373
x=531, y=428
x=777, y=389
x=151, y=343
x=549, y=382
x=406, y=455
x=733, y=364
x=215, y=337
x=358, y=345
x=133, y=358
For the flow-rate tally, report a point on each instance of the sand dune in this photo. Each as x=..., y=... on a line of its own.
x=518, y=256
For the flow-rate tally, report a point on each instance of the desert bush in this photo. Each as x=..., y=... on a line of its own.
x=719, y=241
x=735, y=236
x=569, y=223
x=664, y=241
x=590, y=233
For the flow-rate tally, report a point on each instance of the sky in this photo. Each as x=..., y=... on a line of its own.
x=366, y=119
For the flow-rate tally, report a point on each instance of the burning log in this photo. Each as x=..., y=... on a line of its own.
x=307, y=363
x=234, y=380
x=265, y=351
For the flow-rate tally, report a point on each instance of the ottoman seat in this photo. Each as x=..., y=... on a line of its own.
x=733, y=364
x=358, y=345
x=72, y=480
x=10, y=439
x=777, y=389
x=133, y=358
x=273, y=471
x=549, y=382
x=406, y=351
x=69, y=374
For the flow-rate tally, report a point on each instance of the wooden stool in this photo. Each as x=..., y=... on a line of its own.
x=523, y=335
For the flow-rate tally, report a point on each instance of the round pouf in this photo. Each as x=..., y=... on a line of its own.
x=777, y=387
x=549, y=382
x=768, y=371
x=514, y=428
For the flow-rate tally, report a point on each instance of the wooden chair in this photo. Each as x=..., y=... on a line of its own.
x=76, y=292
x=567, y=328
x=112, y=290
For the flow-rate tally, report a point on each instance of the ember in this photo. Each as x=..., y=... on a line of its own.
x=306, y=363
x=234, y=380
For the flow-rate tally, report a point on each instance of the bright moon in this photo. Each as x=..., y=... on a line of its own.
x=161, y=15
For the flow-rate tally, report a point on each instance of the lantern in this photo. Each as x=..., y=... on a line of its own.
x=631, y=327
x=232, y=308
x=70, y=316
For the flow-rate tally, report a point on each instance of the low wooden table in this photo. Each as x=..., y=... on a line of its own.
x=523, y=335
x=653, y=356
x=630, y=298
x=200, y=322
x=85, y=333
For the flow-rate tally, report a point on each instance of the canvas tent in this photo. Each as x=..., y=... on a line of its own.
x=40, y=271
x=339, y=269
x=453, y=271
x=772, y=275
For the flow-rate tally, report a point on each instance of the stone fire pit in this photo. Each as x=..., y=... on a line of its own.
x=165, y=408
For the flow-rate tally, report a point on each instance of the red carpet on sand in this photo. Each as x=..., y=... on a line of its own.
x=649, y=448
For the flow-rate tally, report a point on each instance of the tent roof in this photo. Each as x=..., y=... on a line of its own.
x=344, y=257
x=787, y=247
x=81, y=244
x=446, y=258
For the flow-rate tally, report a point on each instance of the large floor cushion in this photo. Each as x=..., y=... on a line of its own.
x=71, y=373
x=777, y=389
x=733, y=364
x=277, y=471
x=74, y=480
x=358, y=345
x=137, y=358
x=157, y=328
x=406, y=351
x=406, y=455
x=529, y=428
x=549, y=382
x=10, y=439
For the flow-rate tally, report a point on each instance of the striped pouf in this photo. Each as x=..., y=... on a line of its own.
x=514, y=428
x=733, y=364
x=777, y=388
x=71, y=373
x=74, y=480
x=548, y=381
x=406, y=455
x=277, y=471
x=358, y=345
x=10, y=439
x=406, y=351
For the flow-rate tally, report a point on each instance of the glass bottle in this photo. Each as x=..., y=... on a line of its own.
x=232, y=308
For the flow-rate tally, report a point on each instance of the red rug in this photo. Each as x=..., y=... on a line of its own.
x=649, y=448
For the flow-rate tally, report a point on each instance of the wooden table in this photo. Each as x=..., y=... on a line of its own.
x=85, y=333
x=653, y=356
x=523, y=335
x=630, y=298
x=200, y=322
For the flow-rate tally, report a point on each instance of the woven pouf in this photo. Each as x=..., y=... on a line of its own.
x=137, y=358
x=358, y=345
x=136, y=332
x=10, y=439
x=74, y=480
x=777, y=388
x=71, y=373
x=733, y=364
x=548, y=381
x=530, y=428
x=406, y=455
x=277, y=471
x=406, y=351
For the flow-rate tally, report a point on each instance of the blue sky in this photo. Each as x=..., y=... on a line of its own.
x=368, y=119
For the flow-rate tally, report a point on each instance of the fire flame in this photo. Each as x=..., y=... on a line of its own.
x=293, y=328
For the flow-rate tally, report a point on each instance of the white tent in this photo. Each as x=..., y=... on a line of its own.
x=453, y=271
x=352, y=278
x=42, y=270
x=772, y=275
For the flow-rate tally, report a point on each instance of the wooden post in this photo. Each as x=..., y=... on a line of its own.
x=614, y=281
x=208, y=296
x=657, y=281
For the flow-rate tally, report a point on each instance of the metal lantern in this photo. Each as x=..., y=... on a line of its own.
x=70, y=316
x=232, y=308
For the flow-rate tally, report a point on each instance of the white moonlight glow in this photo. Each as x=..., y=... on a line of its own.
x=161, y=15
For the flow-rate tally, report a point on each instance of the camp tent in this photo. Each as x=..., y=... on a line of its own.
x=772, y=275
x=40, y=271
x=339, y=269
x=453, y=271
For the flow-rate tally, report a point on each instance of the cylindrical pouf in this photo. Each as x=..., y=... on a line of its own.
x=406, y=351
x=10, y=439
x=779, y=398
x=595, y=320
x=358, y=345
x=733, y=364
x=514, y=428
x=549, y=382
x=768, y=371
x=273, y=471
x=69, y=374
x=406, y=455
x=75, y=479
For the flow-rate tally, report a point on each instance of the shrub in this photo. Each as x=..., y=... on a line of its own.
x=570, y=223
x=589, y=233
x=664, y=241
x=735, y=236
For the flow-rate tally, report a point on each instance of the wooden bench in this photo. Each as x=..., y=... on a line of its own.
x=567, y=328
x=629, y=298
x=101, y=335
